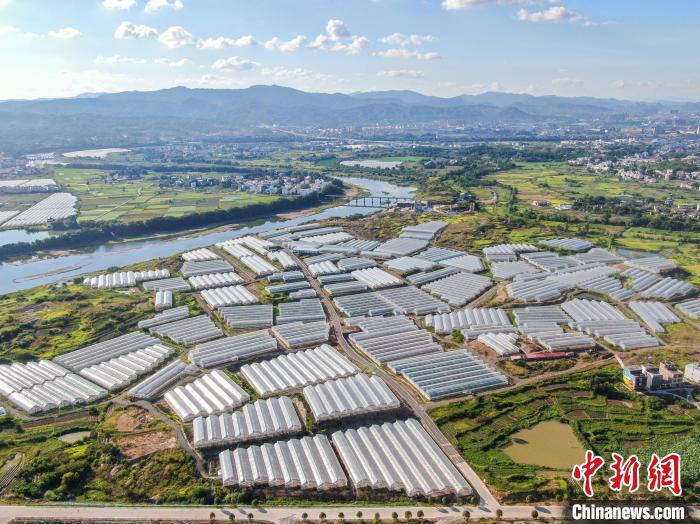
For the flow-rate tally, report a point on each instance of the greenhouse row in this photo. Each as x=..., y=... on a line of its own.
x=286, y=276
x=425, y=277
x=405, y=265
x=468, y=318
x=300, y=334
x=189, y=331
x=506, y=252
x=116, y=373
x=375, y=278
x=333, y=279
x=329, y=238
x=169, y=315
x=288, y=288
x=345, y=288
x=302, y=293
x=308, y=464
x=55, y=207
x=308, y=310
x=550, y=261
x=398, y=456
x=459, y=289
x=263, y=419
x=654, y=264
x=228, y=350
x=426, y=230
x=211, y=394
x=354, y=263
x=174, y=284
x=399, y=247
x=294, y=371
x=215, y=280
x=668, y=288
x=152, y=385
x=468, y=263
x=568, y=244
x=506, y=270
x=438, y=254
x=258, y=265
x=283, y=259
x=323, y=268
x=392, y=341
x=348, y=397
x=42, y=386
x=195, y=268
x=690, y=308
x=257, y=316
x=125, y=278
x=163, y=300
x=501, y=343
x=228, y=296
x=653, y=314
x=411, y=300
x=198, y=255
x=441, y=375
x=103, y=351
x=598, y=255
x=606, y=285
x=363, y=304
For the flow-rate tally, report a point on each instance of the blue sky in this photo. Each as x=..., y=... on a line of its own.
x=640, y=49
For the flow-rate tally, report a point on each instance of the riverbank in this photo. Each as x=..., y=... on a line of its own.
x=33, y=272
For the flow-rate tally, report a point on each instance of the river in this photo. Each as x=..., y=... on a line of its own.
x=15, y=276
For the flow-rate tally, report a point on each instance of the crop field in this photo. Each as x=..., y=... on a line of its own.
x=560, y=183
x=46, y=321
x=143, y=199
x=604, y=416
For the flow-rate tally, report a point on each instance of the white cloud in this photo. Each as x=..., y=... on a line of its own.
x=454, y=5
x=130, y=30
x=407, y=53
x=8, y=29
x=355, y=46
x=65, y=33
x=618, y=84
x=222, y=42
x=117, y=59
x=4, y=3
x=403, y=40
x=531, y=88
x=288, y=46
x=173, y=63
x=235, y=63
x=567, y=82
x=119, y=5
x=155, y=5
x=338, y=39
x=557, y=13
x=336, y=29
x=402, y=73
x=481, y=88
x=175, y=37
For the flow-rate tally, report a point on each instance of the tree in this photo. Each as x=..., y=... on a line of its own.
x=304, y=516
x=407, y=515
x=358, y=514
x=322, y=516
x=395, y=516
x=250, y=516
x=499, y=513
x=466, y=515
x=231, y=517
x=535, y=514
x=420, y=514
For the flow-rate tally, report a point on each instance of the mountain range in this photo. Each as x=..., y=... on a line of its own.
x=135, y=117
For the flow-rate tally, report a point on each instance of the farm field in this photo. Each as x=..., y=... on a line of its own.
x=601, y=412
x=560, y=183
x=143, y=199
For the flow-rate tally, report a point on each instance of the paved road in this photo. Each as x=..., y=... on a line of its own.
x=486, y=498
x=277, y=514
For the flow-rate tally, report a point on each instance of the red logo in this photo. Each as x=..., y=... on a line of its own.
x=662, y=473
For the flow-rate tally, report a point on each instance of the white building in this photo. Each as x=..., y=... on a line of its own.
x=692, y=373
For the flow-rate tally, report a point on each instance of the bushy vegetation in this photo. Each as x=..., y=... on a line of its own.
x=604, y=415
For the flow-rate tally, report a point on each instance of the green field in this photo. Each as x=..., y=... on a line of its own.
x=560, y=183
x=603, y=414
x=143, y=199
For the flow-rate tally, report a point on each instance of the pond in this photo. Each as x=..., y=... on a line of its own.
x=72, y=438
x=15, y=276
x=549, y=444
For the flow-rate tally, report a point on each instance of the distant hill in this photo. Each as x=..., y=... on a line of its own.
x=136, y=117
